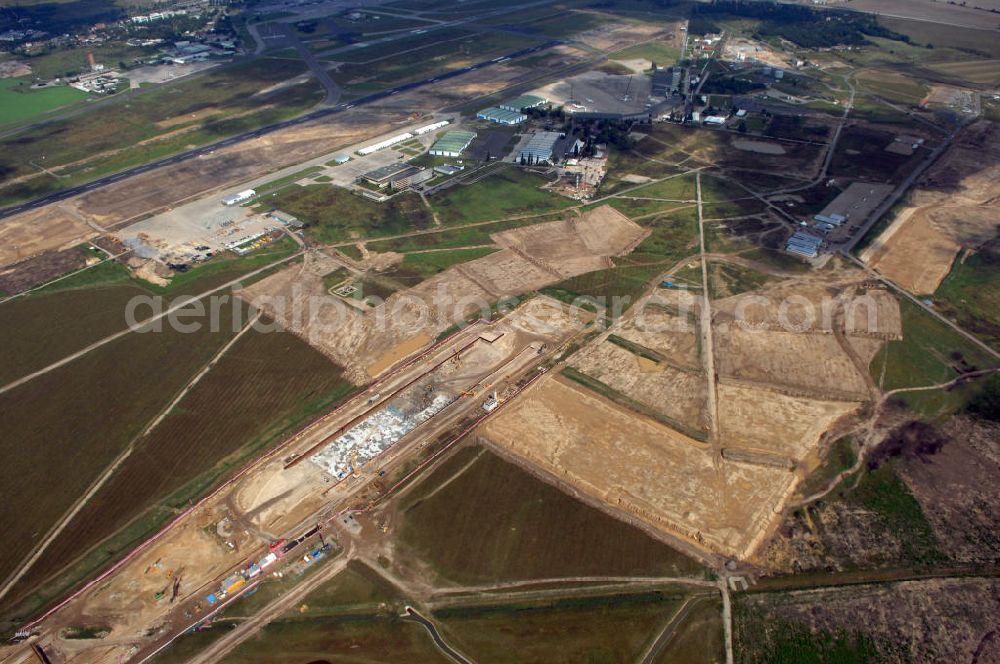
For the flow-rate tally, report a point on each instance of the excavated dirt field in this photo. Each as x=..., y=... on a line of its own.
x=780, y=337
x=575, y=245
x=956, y=205
x=660, y=331
x=811, y=305
x=811, y=364
x=361, y=340
x=680, y=395
x=126, y=601
x=45, y=229
x=761, y=420
x=641, y=469
x=913, y=252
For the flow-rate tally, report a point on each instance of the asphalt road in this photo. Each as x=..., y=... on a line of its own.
x=432, y=630
x=318, y=114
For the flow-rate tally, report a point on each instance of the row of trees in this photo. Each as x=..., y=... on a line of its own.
x=808, y=27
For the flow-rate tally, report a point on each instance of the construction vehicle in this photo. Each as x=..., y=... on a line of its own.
x=426, y=396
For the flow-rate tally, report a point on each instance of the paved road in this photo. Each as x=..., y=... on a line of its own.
x=239, y=138
x=285, y=36
x=411, y=614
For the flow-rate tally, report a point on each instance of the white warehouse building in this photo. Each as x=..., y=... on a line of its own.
x=381, y=145
x=239, y=197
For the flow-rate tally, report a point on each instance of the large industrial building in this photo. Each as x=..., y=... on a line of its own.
x=240, y=197
x=397, y=176
x=452, y=143
x=804, y=244
x=411, y=177
x=501, y=116
x=666, y=81
x=599, y=96
x=381, y=145
x=540, y=147
x=380, y=177
x=519, y=104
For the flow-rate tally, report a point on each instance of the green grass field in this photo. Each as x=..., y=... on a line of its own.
x=616, y=288
x=383, y=65
x=455, y=237
x=19, y=102
x=928, y=354
x=841, y=457
x=589, y=629
x=494, y=522
x=507, y=192
x=970, y=294
x=73, y=421
x=884, y=493
x=431, y=263
x=680, y=188
x=659, y=53
x=154, y=123
x=638, y=209
x=758, y=637
x=699, y=638
x=336, y=215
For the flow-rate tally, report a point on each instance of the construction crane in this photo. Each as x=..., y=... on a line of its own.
x=354, y=463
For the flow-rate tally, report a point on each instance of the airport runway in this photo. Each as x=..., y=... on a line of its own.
x=64, y=194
